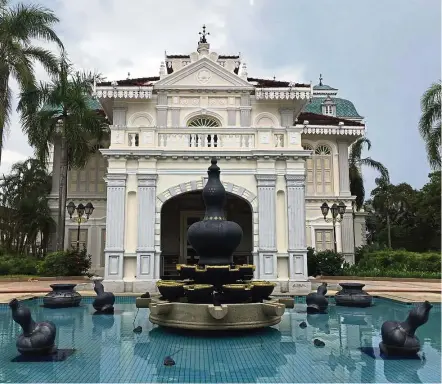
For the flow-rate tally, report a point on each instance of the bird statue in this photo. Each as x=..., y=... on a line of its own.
x=38, y=337
x=316, y=301
x=104, y=302
x=398, y=338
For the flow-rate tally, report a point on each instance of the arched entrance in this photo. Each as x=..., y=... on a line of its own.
x=180, y=212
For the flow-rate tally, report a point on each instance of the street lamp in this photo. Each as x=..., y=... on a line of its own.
x=337, y=212
x=81, y=211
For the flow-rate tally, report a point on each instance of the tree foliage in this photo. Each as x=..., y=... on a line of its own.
x=430, y=123
x=20, y=26
x=25, y=219
x=59, y=112
x=355, y=163
x=414, y=215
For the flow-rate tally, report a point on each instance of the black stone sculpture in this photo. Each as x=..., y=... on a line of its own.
x=214, y=238
x=104, y=302
x=398, y=338
x=37, y=338
x=316, y=301
x=352, y=295
x=62, y=296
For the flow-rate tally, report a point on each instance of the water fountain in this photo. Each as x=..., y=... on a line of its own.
x=215, y=294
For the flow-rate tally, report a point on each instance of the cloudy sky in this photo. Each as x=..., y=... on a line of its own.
x=381, y=55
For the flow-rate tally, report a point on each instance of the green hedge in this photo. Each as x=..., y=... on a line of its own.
x=62, y=263
x=401, y=260
x=18, y=265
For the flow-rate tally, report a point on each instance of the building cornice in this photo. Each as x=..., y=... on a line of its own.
x=280, y=154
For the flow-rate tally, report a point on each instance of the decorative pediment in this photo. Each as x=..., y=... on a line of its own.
x=203, y=73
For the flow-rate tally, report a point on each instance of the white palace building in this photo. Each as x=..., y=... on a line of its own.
x=282, y=148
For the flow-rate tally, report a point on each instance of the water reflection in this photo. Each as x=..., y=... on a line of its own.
x=108, y=351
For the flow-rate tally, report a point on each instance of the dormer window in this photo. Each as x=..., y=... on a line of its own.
x=328, y=110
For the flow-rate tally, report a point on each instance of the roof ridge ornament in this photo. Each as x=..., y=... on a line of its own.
x=203, y=35
x=320, y=79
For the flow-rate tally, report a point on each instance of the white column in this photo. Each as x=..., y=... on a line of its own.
x=115, y=224
x=344, y=177
x=267, y=251
x=146, y=227
x=347, y=237
x=297, y=247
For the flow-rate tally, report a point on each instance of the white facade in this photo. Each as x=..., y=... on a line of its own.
x=276, y=169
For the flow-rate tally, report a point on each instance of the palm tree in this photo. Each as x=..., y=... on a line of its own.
x=19, y=25
x=355, y=162
x=430, y=124
x=59, y=112
x=26, y=214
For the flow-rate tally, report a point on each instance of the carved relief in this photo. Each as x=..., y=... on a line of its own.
x=147, y=138
x=217, y=101
x=295, y=138
x=190, y=101
x=264, y=138
x=203, y=76
x=117, y=137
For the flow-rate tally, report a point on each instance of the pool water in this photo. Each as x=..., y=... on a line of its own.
x=108, y=351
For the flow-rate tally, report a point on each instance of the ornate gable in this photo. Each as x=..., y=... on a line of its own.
x=203, y=73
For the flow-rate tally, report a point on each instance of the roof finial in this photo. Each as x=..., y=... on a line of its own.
x=203, y=35
x=320, y=79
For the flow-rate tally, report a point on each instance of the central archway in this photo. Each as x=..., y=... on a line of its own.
x=181, y=211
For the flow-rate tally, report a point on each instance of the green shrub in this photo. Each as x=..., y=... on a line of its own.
x=18, y=265
x=361, y=252
x=355, y=271
x=65, y=263
x=329, y=263
x=312, y=265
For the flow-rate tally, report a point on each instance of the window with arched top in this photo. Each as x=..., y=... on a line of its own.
x=319, y=180
x=203, y=121
x=201, y=140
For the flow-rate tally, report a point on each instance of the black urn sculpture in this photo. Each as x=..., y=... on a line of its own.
x=352, y=295
x=62, y=296
x=214, y=238
x=37, y=338
x=398, y=338
x=316, y=301
x=104, y=302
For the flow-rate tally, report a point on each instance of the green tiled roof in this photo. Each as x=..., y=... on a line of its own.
x=323, y=87
x=344, y=108
x=92, y=104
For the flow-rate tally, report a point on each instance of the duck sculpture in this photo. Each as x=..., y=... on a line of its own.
x=316, y=301
x=104, y=302
x=37, y=338
x=398, y=338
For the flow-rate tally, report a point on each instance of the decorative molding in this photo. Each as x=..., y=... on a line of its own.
x=137, y=115
x=189, y=101
x=295, y=180
x=331, y=130
x=124, y=92
x=116, y=179
x=203, y=76
x=283, y=93
x=267, y=115
x=117, y=137
x=266, y=180
x=147, y=180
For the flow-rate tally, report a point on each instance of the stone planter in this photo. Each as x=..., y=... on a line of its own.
x=352, y=295
x=261, y=290
x=199, y=293
x=62, y=296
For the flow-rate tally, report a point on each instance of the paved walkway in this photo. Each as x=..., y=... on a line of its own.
x=407, y=291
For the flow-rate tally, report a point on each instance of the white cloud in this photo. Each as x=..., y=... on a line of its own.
x=114, y=38
x=9, y=158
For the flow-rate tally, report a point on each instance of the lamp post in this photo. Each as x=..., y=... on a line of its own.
x=337, y=212
x=81, y=211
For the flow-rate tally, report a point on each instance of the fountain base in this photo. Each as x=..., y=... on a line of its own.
x=209, y=317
